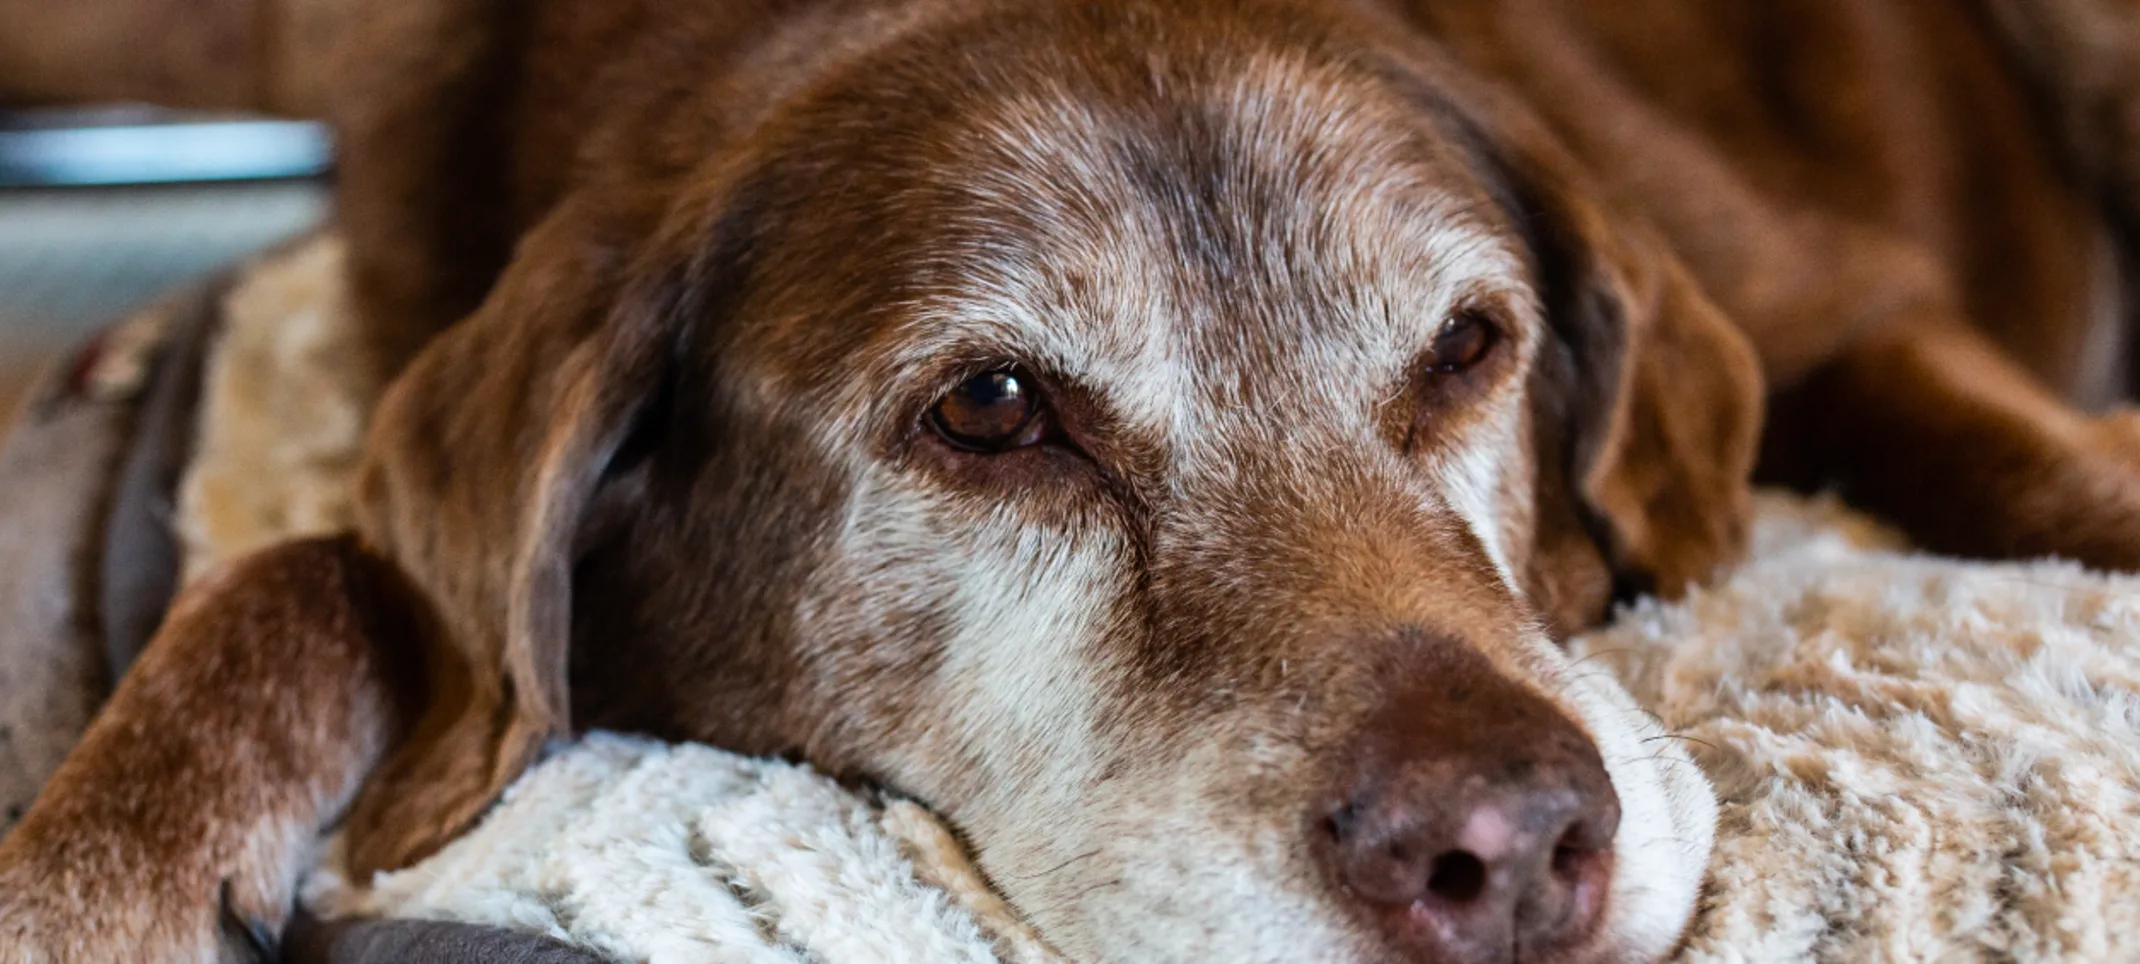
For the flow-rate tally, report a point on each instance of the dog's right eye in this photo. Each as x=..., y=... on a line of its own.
x=992, y=412
x=1461, y=344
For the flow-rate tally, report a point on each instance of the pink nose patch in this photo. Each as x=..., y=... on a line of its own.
x=1488, y=834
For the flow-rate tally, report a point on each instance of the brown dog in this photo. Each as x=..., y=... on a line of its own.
x=1167, y=436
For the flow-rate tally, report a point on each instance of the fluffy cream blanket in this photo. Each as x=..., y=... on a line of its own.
x=1916, y=758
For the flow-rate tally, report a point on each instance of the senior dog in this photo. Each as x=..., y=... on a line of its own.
x=1166, y=436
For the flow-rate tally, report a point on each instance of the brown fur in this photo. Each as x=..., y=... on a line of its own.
x=691, y=239
x=241, y=734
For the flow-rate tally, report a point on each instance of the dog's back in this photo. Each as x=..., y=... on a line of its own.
x=1819, y=166
x=1814, y=162
x=1825, y=168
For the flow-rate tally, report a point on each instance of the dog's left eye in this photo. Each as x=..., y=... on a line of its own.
x=992, y=412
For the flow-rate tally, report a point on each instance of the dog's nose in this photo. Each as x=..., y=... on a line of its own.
x=1479, y=870
x=1476, y=824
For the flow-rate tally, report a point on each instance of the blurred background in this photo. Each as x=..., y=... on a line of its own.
x=104, y=210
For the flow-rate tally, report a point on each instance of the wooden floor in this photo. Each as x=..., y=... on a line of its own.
x=74, y=260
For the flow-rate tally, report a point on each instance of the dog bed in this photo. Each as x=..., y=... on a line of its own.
x=1915, y=758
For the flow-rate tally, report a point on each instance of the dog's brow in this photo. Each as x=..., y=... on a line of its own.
x=1168, y=359
x=1167, y=273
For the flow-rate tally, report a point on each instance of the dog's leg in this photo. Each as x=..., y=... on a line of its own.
x=1933, y=428
x=177, y=830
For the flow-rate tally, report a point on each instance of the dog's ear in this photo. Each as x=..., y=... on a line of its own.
x=483, y=464
x=1647, y=402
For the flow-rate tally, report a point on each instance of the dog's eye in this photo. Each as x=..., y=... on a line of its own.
x=1462, y=343
x=992, y=412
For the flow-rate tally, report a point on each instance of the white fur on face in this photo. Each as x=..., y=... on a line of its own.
x=1126, y=845
x=1023, y=609
x=1127, y=869
x=1485, y=477
x=1667, y=815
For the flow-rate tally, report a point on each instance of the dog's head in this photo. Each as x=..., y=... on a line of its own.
x=1167, y=443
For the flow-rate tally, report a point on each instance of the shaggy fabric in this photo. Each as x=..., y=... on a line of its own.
x=284, y=403
x=648, y=852
x=1917, y=758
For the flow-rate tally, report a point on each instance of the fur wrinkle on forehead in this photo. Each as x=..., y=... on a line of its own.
x=1340, y=259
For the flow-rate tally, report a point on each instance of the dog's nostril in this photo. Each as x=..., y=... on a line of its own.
x=1572, y=852
x=1567, y=861
x=1458, y=877
x=1342, y=821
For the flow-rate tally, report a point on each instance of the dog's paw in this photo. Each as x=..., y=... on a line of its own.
x=2117, y=431
x=58, y=918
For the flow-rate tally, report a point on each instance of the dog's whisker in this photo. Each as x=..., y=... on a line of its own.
x=1600, y=654
x=1051, y=871
x=1682, y=738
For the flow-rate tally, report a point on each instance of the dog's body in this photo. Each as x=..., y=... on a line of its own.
x=1377, y=343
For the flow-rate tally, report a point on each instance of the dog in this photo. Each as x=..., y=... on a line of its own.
x=1169, y=437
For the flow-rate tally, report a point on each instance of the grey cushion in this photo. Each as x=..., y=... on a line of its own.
x=141, y=555
x=420, y=942
x=58, y=470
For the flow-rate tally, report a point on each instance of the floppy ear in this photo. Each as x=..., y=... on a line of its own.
x=1648, y=405
x=482, y=465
